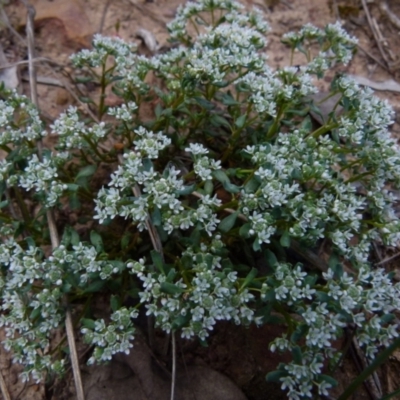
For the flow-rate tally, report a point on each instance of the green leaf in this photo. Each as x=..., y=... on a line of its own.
x=88, y=323
x=299, y=333
x=204, y=103
x=217, y=120
x=328, y=379
x=97, y=241
x=244, y=230
x=256, y=245
x=181, y=321
x=35, y=313
x=221, y=84
x=157, y=260
x=220, y=176
x=297, y=355
x=250, y=276
x=3, y=204
x=252, y=185
x=83, y=79
x=156, y=216
x=95, y=286
x=285, y=239
x=228, y=100
x=335, y=265
x=306, y=124
x=227, y=223
x=275, y=376
x=86, y=172
x=115, y=303
x=74, y=202
x=209, y=187
x=270, y=258
x=86, y=100
x=170, y=288
x=186, y=190
x=73, y=187
x=241, y=121
x=230, y=187
x=125, y=240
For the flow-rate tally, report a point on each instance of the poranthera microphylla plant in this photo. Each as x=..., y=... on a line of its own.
x=230, y=160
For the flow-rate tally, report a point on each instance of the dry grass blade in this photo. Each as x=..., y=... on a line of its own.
x=389, y=14
x=371, y=25
x=50, y=217
x=173, y=379
x=372, y=383
x=4, y=390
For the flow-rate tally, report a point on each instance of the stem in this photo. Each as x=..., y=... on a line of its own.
x=103, y=84
x=22, y=206
x=323, y=129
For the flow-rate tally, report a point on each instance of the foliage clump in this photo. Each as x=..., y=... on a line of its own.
x=230, y=160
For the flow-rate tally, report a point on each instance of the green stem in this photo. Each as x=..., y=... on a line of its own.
x=323, y=129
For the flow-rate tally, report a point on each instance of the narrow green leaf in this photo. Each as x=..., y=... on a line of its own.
x=244, y=230
x=250, y=276
x=275, y=376
x=95, y=286
x=115, y=303
x=285, y=239
x=204, y=103
x=35, y=313
x=170, y=288
x=209, y=187
x=186, y=190
x=297, y=355
x=217, y=120
x=220, y=176
x=157, y=260
x=85, y=172
x=156, y=216
x=241, y=121
x=88, y=323
x=228, y=100
x=227, y=223
x=73, y=187
x=270, y=257
x=335, y=265
x=97, y=241
x=231, y=188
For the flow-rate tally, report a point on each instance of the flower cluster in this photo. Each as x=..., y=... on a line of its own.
x=116, y=337
x=213, y=294
x=366, y=301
